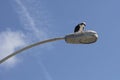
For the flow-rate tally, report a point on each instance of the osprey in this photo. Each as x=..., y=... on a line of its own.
x=80, y=27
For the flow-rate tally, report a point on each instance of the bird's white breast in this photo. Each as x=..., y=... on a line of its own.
x=81, y=28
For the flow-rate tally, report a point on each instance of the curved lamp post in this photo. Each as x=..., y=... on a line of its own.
x=85, y=37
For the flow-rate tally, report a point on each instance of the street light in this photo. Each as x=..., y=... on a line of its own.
x=85, y=37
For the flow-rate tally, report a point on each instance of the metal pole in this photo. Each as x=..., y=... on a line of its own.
x=86, y=37
x=30, y=46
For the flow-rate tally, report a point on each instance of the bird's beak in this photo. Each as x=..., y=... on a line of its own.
x=84, y=23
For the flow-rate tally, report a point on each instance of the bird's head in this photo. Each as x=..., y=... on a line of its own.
x=83, y=23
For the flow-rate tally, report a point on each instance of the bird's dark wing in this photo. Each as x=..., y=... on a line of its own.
x=77, y=28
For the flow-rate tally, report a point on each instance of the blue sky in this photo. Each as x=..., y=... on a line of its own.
x=23, y=22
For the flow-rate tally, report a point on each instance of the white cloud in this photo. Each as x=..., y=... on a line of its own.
x=29, y=21
x=9, y=41
x=45, y=72
x=33, y=20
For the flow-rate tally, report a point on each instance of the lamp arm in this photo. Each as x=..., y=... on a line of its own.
x=30, y=46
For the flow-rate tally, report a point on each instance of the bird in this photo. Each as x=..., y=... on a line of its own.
x=80, y=27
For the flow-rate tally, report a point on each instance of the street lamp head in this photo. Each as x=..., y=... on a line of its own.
x=85, y=37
